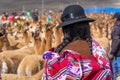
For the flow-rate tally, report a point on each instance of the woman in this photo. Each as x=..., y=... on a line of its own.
x=78, y=57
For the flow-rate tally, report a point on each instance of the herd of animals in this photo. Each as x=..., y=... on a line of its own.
x=22, y=46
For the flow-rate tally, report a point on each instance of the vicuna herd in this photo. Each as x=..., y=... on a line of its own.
x=22, y=46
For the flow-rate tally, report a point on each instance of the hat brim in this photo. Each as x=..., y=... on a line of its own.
x=75, y=21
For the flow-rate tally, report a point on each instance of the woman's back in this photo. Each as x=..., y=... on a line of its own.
x=80, y=46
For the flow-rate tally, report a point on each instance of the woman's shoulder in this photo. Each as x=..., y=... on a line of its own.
x=96, y=44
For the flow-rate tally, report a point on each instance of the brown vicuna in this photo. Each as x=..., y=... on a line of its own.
x=36, y=42
x=1, y=41
x=17, y=55
x=10, y=43
x=6, y=64
x=26, y=37
x=19, y=38
x=39, y=42
x=43, y=43
x=37, y=76
x=30, y=65
x=7, y=44
x=48, y=38
x=58, y=37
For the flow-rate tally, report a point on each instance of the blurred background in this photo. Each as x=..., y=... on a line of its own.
x=56, y=5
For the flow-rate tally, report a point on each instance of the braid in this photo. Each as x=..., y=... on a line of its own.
x=62, y=45
x=89, y=40
x=88, y=37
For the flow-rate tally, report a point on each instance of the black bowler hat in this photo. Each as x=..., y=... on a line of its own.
x=73, y=14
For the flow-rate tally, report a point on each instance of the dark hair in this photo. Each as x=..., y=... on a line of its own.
x=73, y=32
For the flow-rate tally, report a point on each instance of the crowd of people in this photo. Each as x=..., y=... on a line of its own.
x=17, y=16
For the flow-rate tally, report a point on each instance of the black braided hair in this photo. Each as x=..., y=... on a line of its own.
x=73, y=32
x=88, y=37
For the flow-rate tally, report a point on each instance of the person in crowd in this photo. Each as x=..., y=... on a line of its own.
x=35, y=15
x=115, y=47
x=36, y=11
x=17, y=19
x=4, y=18
x=29, y=14
x=49, y=19
x=78, y=56
x=11, y=18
